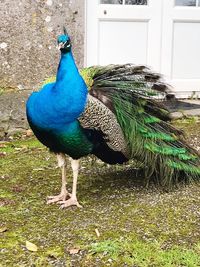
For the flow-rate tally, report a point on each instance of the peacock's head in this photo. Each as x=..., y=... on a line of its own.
x=64, y=42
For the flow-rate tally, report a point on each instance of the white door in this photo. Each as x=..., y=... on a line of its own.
x=163, y=34
x=123, y=31
x=180, y=59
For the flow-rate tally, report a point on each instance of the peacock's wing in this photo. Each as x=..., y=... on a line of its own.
x=100, y=118
x=129, y=92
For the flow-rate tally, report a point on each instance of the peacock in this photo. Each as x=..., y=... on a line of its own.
x=116, y=116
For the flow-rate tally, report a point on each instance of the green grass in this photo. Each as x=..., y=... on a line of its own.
x=137, y=226
x=132, y=252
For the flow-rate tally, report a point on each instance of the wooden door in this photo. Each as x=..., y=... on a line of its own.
x=163, y=34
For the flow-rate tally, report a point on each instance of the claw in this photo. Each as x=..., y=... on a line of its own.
x=56, y=199
x=69, y=202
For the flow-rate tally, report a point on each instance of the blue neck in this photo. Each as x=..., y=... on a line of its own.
x=66, y=69
x=69, y=93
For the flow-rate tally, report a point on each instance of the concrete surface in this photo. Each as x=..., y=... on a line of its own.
x=181, y=108
x=29, y=30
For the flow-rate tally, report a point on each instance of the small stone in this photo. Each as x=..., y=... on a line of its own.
x=5, y=63
x=29, y=133
x=20, y=87
x=3, y=229
x=73, y=251
x=49, y=2
x=2, y=154
x=48, y=19
x=3, y=45
x=50, y=29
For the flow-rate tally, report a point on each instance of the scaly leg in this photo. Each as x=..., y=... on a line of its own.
x=73, y=199
x=64, y=193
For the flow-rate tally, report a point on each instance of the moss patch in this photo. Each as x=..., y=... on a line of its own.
x=137, y=226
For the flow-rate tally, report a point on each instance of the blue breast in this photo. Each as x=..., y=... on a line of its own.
x=50, y=109
x=53, y=111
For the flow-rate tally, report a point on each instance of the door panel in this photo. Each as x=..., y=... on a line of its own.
x=116, y=46
x=180, y=53
x=187, y=49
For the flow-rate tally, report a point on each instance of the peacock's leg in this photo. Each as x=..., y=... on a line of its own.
x=64, y=193
x=73, y=199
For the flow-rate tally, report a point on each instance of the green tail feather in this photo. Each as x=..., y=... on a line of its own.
x=163, y=154
x=152, y=141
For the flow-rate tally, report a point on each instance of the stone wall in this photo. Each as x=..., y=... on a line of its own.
x=13, y=113
x=28, y=39
x=28, y=53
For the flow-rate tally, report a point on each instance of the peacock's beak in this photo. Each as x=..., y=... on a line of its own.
x=66, y=45
x=60, y=45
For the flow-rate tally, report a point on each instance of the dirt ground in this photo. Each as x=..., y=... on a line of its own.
x=122, y=223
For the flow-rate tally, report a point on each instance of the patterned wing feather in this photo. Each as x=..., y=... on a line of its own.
x=97, y=116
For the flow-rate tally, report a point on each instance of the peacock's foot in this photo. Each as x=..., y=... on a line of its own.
x=69, y=202
x=58, y=198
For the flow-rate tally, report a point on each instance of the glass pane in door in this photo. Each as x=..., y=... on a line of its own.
x=185, y=2
x=136, y=2
x=116, y=2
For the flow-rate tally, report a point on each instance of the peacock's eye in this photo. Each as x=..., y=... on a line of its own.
x=67, y=44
